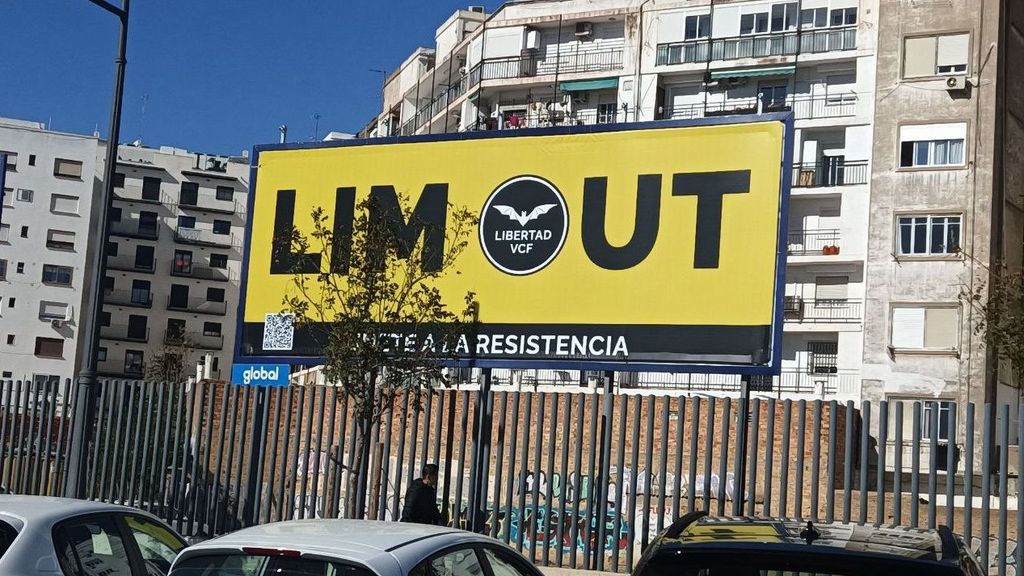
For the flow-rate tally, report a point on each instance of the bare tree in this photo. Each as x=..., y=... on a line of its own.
x=377, y=309
x=999, y=314
x=174, y=362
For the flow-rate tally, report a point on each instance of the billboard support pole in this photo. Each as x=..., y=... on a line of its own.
x=739, y=487
x=482, y=418
x=601, y=520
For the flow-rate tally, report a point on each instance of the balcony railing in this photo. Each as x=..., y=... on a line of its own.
x=201, y=272
x=809, y=380
x=200, y=305
x=209, y=203
x=194, y=339
x=203, y=237
x=125, y=333
x=135, y=229
x=129, y=264
x=801, y=310
x=137, y=298
x=803, y=107
x=116, y=369
x=831, y=173
x=549, y=119
x=758, y=46
x=812, y=242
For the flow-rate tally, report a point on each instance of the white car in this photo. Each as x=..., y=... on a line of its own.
x=351, y=548
x=63, y=537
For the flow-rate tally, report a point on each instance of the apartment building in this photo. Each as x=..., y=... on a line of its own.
x=570, y=62
x=946, y=199
x=46, y=228
x=173, y=259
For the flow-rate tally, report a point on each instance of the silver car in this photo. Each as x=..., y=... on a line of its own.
x=351, y=548
x=63, y=537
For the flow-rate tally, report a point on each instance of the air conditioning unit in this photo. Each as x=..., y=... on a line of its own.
x=532, y=40
x=479, y=9
x=57, y=323
x=584, y=29
x=956, y=83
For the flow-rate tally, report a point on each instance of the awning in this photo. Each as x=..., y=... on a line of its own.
x=581, y=85
x=753, y=72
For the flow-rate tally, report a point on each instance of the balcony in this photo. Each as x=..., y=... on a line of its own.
x=210, y=203
x=551, y=119
x=134, y=298
x=194, y=339
x=757, y=46
x=135, y=229
x=831, y=174
x=816, y=380
x=138, y=194
x=530, y=65
x=124, y=333
x=814, y=242
x=201, y=272
x=803, y=107
x=128, y=263
x=199, y=305
x=112, y=369
x=203, y=237
x=802, y=310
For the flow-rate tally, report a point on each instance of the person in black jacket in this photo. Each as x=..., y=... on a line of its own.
x=421, y=499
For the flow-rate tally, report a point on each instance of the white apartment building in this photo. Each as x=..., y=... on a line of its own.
x=174, y=259
x=47, y=225
x=571, y=62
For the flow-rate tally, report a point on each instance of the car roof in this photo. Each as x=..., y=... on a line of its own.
x=381, y=546
x=45, y=510
x=768, y=534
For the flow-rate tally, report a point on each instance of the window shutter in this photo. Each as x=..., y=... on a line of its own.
x=952, y=50
x=831, y=287
x=908, y=328
x=919, y=57
x=941, y=328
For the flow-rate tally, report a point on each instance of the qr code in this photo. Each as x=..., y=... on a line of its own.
x=279, y=332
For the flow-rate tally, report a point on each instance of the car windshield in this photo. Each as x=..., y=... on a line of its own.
x=250, y=565
x=754, y=564
x=7, y=536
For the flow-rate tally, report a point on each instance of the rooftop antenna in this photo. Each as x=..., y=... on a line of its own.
x=316, y=127
x=283, y=129
x=142, y=120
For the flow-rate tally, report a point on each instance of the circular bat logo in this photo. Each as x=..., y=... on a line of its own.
x=523, y=225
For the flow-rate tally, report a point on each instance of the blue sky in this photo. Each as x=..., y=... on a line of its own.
x=211, y=75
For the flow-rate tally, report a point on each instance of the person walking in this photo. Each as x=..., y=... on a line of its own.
x=421, y=499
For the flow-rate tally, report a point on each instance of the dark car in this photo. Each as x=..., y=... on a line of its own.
x=696, y=545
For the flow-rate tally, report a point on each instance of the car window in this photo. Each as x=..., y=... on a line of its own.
x=158, y=546
x=504, y=564
x=7, y=535
x=91, y=547
x=459, y=562
x=248, y=565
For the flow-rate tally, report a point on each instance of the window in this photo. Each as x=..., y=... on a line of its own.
x=91, y=547
x=211, y=328
x=773, y=96
x=114, y=214
x=937, y=145
x=157, y=545
x=941, y=409
x=182, y=262
x=101, y=354
x=928, y=235
x=10, y=339
x=8, y=197
x=505, y=564
x=214, y=294
x=108, y=283
x=7, y=374
x=822, y=357
x=831, y=288
x=784, y=16
x=24, y=231
x=225, y=193
x=698, y=26
x=104, y=318
x=935, y=55
x=60, y=239
x=189, y=195
x=112, y=248
x=218, y=261
x=134, y=362
x=141, y=292
x=60, y=275
x=10, y=302
x=21, y=268
x=186, y=221
x=461, y=562
x=31, y=159
x=12, y=160
x=67, y=168
x=5, y=232
x=118, y=180
x=25, y=195
x=753, y=23
x=843, y=17
x=3, y=269
x=175, y=329
x=53, y=310
x=50, y=347
x=151, y=188
x=925, y=328
x=144, y=257
x=221, y=227
x=607, y=112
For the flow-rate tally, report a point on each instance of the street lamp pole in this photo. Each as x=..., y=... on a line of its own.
x=85, y=395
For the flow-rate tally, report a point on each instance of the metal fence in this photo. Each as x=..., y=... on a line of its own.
x=575, y=478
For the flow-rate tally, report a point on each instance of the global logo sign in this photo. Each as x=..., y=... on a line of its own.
x=260, y=375
x=523, y=225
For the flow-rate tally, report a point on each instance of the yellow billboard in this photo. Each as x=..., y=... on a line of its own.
x=652, y=246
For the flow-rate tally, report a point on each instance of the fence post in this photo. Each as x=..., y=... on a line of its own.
x=739, y=486
x=255, y=456
x=481, y=453
x=605, y=468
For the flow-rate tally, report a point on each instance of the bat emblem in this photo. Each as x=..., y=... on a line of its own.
x=522, y=217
